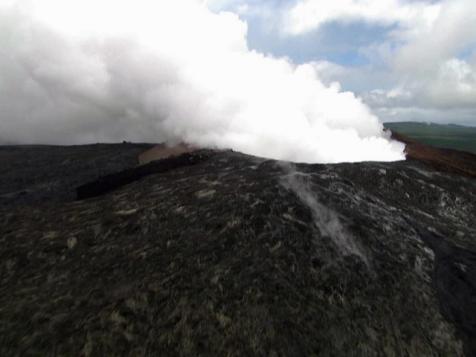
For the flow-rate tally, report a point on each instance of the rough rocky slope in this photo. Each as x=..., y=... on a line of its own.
x=232, y=255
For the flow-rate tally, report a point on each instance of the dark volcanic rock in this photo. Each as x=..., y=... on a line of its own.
x=33, y=174
x=237, y=255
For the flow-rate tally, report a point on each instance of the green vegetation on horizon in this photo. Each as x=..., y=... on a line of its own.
x=445, y=136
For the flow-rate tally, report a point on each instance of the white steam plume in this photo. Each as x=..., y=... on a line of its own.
x=145, y=70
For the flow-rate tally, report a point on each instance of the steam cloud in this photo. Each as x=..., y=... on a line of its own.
x=144, y=70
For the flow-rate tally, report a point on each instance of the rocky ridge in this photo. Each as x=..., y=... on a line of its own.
x=236, y=255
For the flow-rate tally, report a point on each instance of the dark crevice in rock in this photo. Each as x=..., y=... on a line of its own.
x=32, y=175
x=114, y=181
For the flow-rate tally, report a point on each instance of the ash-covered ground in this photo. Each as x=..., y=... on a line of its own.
x=216, y=253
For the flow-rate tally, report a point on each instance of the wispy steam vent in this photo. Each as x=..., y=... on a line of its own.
x=169, y=71
x=325, y=219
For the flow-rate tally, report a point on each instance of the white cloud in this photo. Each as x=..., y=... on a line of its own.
x=146, y=70
x=428, y=63
x=423, y=53
x=453, y=30
x=451, y=86
x=309, y=15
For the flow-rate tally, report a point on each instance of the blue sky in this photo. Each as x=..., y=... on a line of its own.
x=418, y=64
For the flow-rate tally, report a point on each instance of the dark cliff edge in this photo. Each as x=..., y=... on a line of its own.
x=216, y=253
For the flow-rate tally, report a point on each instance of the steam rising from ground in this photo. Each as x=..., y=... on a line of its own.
x=113, y=70
x=326, y=220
